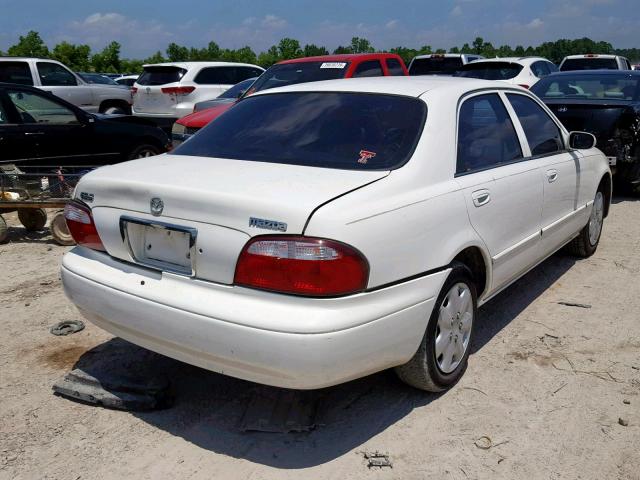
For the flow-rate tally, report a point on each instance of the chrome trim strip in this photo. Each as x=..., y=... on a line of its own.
x=192, y=232
x=568, y=216
x=522, y=243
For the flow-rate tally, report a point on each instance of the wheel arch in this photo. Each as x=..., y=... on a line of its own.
x=478, y=261
x=606, y=184
x=105, y=104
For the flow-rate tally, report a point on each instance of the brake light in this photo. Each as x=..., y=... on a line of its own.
x=178, y=90
x=524, y=86
x=590, y=55
x=302, y=266
x=81, y=226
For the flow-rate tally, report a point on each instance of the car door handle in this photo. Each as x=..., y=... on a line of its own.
x=481, y=197
x=552, y=175
x=34, y=133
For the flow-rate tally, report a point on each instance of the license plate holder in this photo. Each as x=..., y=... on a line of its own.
x=159, y=245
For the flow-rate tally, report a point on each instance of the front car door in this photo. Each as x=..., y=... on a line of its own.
x=60, y=136
x=63, y=83
x=15, y=146
x=560, y=170
x=503, y=192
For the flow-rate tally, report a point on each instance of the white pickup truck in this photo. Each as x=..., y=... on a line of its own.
x=56, y=78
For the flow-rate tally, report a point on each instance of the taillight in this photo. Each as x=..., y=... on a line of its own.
x=302, y=266
x=178, y=90
x=524, y=86
x=81, y=225
x=134, y=90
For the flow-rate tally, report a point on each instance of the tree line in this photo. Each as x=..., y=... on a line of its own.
x=108, y=60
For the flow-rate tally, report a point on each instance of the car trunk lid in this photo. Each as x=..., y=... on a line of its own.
x=218, y=198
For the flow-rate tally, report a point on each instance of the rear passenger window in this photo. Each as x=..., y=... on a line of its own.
x=15, y=72
x=394, y=67
x=542, y=133
x=486, y=136
x=372, y=68
x=540, y=69
x=225, y=75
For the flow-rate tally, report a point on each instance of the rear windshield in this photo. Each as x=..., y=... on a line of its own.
x=161, y=75
x=238, y=89
x=351, y=131
x=15, y=72
x=490, y=70
x=589, y=87
x=589, y=64
x=291, y=73
x=435, y=66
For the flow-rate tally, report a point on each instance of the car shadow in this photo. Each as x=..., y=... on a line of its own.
x=624, y=198
x=22, y=235
x=210, y=410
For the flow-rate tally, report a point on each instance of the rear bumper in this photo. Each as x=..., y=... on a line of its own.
x=250, y=334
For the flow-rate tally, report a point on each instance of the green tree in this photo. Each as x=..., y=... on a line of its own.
x=31, y=45
x=478, y=45
x=76, y=57
x=311, y=50
x=268, y=58
x=177, y=53
x=108, y=60
x=361, y=45
x=155, y=58
x=289, y=48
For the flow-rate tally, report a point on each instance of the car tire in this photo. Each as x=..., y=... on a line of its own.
x=4, y=230
x=433, y=367
x=115, y=110
x=32, y=219
x=586, y=243
x=143, y=151
x=60, y=231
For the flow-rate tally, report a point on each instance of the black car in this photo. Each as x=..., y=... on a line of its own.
x=605, y=103
x=38, y=128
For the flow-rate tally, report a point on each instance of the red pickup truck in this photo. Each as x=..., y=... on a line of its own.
x=299, y=70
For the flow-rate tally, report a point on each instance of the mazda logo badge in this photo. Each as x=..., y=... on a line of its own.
x=157, y=205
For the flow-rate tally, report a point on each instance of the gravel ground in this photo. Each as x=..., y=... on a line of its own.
x=552, y=391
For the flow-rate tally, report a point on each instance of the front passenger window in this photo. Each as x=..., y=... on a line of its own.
x=486, y=136
x=34, y=108
x=542, y=133
x=54, y=75
x=371, y=68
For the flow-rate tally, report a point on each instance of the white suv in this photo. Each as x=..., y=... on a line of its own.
x=56, y=78
x=167, y=91
x=594, y=61
x=523, y=71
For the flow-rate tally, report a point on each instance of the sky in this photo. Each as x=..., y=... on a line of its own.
x=144, y=27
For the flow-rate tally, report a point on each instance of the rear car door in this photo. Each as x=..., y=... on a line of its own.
x=61, y=82
x=502, y=191
x=58, y=135
x=15, y=146
x=560, y=170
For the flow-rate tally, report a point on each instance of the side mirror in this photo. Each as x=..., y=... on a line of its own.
x=581, y=140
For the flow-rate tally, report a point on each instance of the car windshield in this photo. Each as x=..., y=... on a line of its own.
x=589, y=87
x=589, y=63
x=238, y=89
x=299, y=72
x=161, y=75
x=435, y=65
x=490, y=70
x=352, y=131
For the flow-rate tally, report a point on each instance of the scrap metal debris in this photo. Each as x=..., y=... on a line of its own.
x=485, y=443
x=115, y=391
x=623, y=421
x=572, y=304
x=67, y=327
x=377, y=460
x=281, y=411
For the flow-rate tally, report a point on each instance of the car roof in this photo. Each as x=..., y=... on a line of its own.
x=519, y=60
x=447, y=55
x=9, y=58
x=592, y=55
x=347, y=57
x=609, y=72
x=400, y=85
x=188, y=65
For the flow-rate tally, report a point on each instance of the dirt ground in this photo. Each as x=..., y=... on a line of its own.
x=546, y=394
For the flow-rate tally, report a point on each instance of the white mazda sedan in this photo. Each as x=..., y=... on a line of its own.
x=324, y=231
